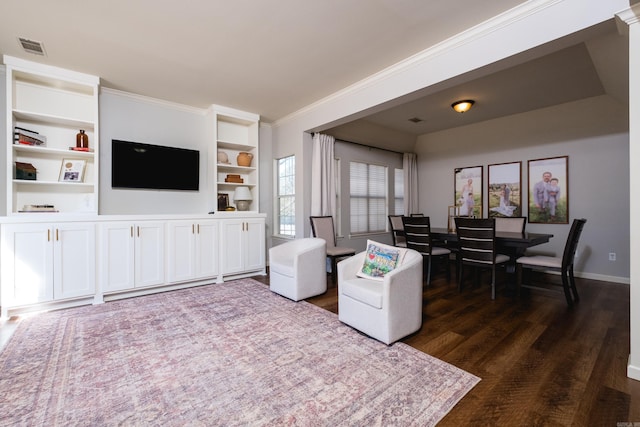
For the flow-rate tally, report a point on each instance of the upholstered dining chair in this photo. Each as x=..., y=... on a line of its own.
x=417, y=232
x=477, y=247
x=298, y=268
x=387, y=309
x=397, y=231
x=322, y=227
x=514, y=224
x=562, y=264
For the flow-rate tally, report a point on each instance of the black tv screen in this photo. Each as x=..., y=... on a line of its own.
x=138, y=165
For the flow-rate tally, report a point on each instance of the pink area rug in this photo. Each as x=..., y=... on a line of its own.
x=225, y=354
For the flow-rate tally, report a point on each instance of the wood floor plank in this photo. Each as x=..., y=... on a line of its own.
x=541, y=362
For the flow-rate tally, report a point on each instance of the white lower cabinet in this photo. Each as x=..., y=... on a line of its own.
x=131, y=255
x=44, y=262
x=242, y=245
x=192, y=250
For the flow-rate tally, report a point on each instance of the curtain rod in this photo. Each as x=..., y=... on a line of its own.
x=368, y=146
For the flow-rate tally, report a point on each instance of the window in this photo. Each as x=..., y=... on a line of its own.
x=285, y=204
x=398, y=192
x=368, y=198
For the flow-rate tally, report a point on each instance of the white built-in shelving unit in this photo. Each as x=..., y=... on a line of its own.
x=235, y=132
x=56, y=103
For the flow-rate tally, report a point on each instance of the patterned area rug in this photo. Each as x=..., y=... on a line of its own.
x=225, y=354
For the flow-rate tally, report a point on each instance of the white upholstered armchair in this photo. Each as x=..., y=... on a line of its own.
x=297, y=269
x=387, y=309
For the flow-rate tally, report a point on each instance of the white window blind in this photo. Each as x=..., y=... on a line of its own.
x=368, y=197
x=286, y=198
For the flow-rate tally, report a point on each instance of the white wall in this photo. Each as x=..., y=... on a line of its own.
x=138, y=119
x=592, y=132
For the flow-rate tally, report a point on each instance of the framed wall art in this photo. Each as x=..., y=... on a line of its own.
x=503, y=190
x=72, y=170
x=549, y=190
x=468, y=191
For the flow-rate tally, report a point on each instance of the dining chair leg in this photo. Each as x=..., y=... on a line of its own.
x=565, y=287
x=493, y=283
x=428, y=271
x=572, y=281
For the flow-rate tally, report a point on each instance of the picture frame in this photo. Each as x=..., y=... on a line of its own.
x=72, y=170
x=504, y=190
x=548, y=200
x=223, y=201
x=468, y=191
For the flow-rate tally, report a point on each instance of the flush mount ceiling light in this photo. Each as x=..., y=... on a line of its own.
x=463, y=106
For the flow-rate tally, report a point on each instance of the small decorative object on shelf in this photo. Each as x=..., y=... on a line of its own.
x=234, y=178
x=82, y=139
x=244, y=158
x=72, y=170
x=223, y=157
x=28, y=137
x=223, y=201
x=243, y=198
x=25, y=171
x=39, y=208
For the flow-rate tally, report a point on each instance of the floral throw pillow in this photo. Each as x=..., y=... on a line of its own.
x=379, y=260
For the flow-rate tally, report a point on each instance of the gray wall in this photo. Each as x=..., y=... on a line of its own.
x=592, y=132
x=138, y=119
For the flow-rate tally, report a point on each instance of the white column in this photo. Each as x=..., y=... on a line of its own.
x=629, y=23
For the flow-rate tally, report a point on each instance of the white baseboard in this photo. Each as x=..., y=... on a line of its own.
x=594, y=276
x=633, y=372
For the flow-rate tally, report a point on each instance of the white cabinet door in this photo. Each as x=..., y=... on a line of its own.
x=74, y=260
x=132, y=255
x=27, y=264
x=149, y=250
x=231, y=246
x=46, y=262
x=117, y=256
x=181, y=250
x=242, y=245
x=255, y=244
x=207, y=241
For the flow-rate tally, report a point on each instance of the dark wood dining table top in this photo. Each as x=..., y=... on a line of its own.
x=504, y=239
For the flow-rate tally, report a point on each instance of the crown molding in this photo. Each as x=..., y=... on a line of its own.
x=628, y=17
x=155, y=101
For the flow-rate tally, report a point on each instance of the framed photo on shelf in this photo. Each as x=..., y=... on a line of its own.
x=468, y=191
x=549, y=190
x=223, y=201
x=72, y=170
x=504, y=192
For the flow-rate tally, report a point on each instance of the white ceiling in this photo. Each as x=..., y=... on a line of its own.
x=273, y=57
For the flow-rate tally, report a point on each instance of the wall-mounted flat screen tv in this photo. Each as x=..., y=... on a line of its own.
x=138, y=165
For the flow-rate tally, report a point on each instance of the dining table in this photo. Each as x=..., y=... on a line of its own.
x=508, y=243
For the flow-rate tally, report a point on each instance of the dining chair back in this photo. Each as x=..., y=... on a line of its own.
x=397, y=231
x=477, y=247
x=562, y=264
x=322, y=227
x=514, y=224
x=417, y=231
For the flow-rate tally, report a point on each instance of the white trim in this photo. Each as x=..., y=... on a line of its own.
x=156, y=101
x=50, y=71
x=633, y=372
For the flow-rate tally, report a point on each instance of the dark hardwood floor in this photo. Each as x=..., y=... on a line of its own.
x=541, y=362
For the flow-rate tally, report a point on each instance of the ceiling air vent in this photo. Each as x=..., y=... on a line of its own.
x=31, y=46
x=415, y=120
